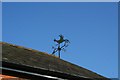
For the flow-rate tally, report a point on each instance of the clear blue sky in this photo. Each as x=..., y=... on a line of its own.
x=92, y=29
x=1, y=21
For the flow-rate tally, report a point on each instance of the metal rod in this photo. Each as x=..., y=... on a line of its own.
x=59, y=53
x=59, y=50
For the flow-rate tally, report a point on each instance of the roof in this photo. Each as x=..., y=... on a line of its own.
x=41, y=60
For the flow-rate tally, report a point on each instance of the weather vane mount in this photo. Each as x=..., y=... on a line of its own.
x=61, y=45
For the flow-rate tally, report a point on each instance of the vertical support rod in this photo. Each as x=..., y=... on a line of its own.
x=59, y=53
x=59, y=49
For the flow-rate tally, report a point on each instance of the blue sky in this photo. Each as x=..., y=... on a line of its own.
x=92, y=29
x=0, y=21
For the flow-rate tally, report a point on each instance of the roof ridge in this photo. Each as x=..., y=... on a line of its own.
x=25, y=48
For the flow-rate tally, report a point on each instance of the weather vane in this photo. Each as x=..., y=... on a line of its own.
x=61, y=45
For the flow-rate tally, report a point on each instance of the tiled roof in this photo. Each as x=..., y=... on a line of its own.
x=33, y=58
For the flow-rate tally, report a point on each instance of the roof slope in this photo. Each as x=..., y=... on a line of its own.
x=24, y=56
